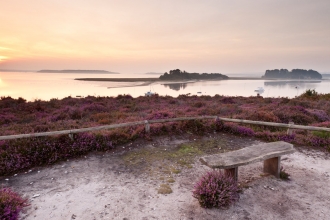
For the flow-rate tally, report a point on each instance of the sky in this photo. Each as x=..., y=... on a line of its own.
x=129, y=36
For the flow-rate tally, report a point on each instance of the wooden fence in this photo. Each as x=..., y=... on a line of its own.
x=147, y=123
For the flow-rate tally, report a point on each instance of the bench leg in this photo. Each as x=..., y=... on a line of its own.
x=232, y=172
x=272, y=166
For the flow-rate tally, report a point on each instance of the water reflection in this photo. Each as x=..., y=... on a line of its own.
x=176, y=86
x=291, y=83
x=259, y=92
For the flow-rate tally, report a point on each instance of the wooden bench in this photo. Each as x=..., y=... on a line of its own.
x=270, y=153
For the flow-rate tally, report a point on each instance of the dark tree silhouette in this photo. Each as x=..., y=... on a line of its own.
x=179, y=75
x=294, y=74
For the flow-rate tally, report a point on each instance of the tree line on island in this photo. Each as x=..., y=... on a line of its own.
x=177, y=74
x=294, y=74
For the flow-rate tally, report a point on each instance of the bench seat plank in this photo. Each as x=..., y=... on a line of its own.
x=247, y=155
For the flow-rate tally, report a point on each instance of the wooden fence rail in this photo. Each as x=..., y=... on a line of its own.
x=147, y=123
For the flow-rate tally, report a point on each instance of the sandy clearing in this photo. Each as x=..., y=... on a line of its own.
x=102, y=186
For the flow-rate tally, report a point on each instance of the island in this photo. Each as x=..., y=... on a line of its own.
x=173, y=75
x=183, y=75
x=76, y=71
x=294, y=74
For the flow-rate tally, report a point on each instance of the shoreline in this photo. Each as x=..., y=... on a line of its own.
x=158, y=80
x=119, y=79
x=188, y=80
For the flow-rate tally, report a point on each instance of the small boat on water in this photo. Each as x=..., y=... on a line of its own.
x=149, y=93
x=259, y=90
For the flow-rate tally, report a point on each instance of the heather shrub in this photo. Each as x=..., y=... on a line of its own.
x=320, y=115
x=7, y=118
x=309, y=93
x=260, y=116
x=297, y=114
x=322, y=124
x=158, y=129
x=100, y=116
x=41, y=128
x=61, y=114
x=198, y=104
x=28, y=152
x=9, y=102
x=205, y=97
x=227, y=100
x=285, y=100
x=302, y=103
x=161, y=115
x=95, y=107
x=218, y=125
x=10, y=204
x=76, y=113
x=233, y=128
x=193, y=126
x=318, y=142
x=241, y=130
x=123, y=97
x=172, y=102
x=53, y=103
x=276, y=136
x=38, y=105
x=216, y=190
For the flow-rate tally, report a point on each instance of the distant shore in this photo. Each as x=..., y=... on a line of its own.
x=120, y=79
x=158, y=80
x=77, y=71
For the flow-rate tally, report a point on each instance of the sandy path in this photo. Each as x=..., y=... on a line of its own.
x=102, y=186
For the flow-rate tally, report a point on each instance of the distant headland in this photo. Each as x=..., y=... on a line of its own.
x=294, y=74
x=76, y=71
x=153, y=73
x=183, y=75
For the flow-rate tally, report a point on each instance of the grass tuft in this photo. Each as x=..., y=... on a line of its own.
x=164, y=189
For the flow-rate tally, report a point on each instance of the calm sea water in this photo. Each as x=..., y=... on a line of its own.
x=44, y=86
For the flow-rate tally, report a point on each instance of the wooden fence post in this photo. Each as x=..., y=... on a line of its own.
x=290, y=131
x=147, y=126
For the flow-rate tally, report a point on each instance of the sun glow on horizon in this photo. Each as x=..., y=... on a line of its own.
x=3, y=58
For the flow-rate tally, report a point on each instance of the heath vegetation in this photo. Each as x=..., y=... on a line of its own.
x=10, y=204
x=19, y=116
x=216, y=190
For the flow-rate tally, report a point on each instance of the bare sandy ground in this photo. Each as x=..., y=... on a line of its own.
x=105, y=186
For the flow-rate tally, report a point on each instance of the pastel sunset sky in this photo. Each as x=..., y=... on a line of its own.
x=130, y=36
